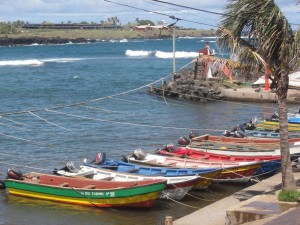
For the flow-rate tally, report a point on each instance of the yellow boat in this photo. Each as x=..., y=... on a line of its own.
x=274, y=126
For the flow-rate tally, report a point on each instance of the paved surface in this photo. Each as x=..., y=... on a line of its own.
x=215, y=214
x=253, y=95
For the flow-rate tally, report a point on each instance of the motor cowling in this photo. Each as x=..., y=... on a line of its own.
x=2, y=184
x=14, y=174
x=170, y=148
x=193, y=134
x=183, y=141
x=100, y=158
x=138, y=154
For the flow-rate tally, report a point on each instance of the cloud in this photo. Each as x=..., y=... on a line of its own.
x=96, y=10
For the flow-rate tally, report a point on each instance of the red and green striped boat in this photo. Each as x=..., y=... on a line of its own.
x=87, y=192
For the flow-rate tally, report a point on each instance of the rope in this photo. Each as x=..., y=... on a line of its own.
x=30, y=167
x=128, y=123
x=100, y=108
x=13, y=121
x=167, y=197
x=31, y=113
x=164, y=93
x=20, y=128
x=193, y=196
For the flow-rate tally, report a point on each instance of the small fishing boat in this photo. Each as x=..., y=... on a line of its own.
x=206, y=174
x=177, y=187
x=245, y=141
x=243, y=146
x=270, y=164
x=86, y=192
x=274, y=126
x=231, y=171
x=295, y=120
x=269, y=134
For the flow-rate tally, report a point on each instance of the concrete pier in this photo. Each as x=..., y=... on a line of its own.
x=254, y=205
x=250, y=94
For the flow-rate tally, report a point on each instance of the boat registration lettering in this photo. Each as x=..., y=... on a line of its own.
x=110, y=194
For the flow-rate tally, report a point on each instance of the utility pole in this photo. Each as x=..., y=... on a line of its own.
x=174, y=50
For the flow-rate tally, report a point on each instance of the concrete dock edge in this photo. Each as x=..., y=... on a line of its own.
x=216, y=213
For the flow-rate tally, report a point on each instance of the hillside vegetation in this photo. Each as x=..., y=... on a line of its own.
x=105, y=34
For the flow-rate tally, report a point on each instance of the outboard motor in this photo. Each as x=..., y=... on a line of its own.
x=249, y=126
x=183, y=141
x=170, y=148
x=138, y=154
x=239, y=134
x=100, y=158
x=193, y=134
x=71, y=167
x=2, y=184
x=226, y=133
x=274, y=117
x=14, y=174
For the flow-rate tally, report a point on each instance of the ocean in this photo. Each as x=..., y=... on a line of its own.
x=63, y=103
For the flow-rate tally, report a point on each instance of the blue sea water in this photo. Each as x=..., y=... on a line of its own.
x=63, y=103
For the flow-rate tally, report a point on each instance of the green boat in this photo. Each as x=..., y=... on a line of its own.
x=87, y=192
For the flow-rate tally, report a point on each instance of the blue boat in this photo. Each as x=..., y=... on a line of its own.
x=268, y=134
x=269, y=168
x=124, y=167
x=294, y=120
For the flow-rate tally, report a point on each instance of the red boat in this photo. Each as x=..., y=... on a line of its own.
x=194, y=154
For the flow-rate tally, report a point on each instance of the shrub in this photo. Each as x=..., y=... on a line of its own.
x=289, y=195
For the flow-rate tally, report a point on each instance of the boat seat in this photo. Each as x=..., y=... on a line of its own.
x=107, y=178
x=170, y=163
x=158, y=174
x=131, y=170
x=91, y=186
x=204, y=157
x=64, y=185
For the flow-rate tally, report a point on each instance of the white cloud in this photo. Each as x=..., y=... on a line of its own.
x=95, y=10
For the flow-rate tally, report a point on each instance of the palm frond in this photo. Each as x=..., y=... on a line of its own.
x=258, y=31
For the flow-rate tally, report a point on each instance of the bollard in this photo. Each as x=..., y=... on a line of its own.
x=168, y=220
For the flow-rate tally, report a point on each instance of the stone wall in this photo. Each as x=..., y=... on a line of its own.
x=190, y=84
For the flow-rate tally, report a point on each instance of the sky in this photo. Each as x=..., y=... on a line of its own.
x=57, y=11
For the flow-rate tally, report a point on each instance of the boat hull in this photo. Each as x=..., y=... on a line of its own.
x=135, y=196
x=177, y=187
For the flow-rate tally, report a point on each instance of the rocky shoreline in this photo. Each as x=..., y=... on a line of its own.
x=5, y=41
x=186, y=85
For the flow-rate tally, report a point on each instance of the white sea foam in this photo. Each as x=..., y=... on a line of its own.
x=167, y=55
x=138, y=53
x=124, y=40
x=37, y=62
x=187, y=37
x=62, y=60
x=29, y=62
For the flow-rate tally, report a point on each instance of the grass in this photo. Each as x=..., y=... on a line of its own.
x=105, y=34
x=289, y=195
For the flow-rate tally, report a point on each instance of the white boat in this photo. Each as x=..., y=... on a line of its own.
x=177, y=187
x=294, y=81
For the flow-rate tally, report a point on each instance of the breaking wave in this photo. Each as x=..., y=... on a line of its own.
x=37, y=62
x=138, y=53
x=161, y=54
x=29, y=62
x=167, y=55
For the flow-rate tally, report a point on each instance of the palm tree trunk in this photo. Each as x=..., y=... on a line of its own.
x=288, y=181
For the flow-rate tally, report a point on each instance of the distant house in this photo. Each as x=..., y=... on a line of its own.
x=149, y=27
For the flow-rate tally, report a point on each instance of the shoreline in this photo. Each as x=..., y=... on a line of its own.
x=48, y=36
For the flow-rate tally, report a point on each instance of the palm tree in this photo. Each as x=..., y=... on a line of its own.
x=270, y=42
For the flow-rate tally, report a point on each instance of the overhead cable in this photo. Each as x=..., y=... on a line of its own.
x=170, y=16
